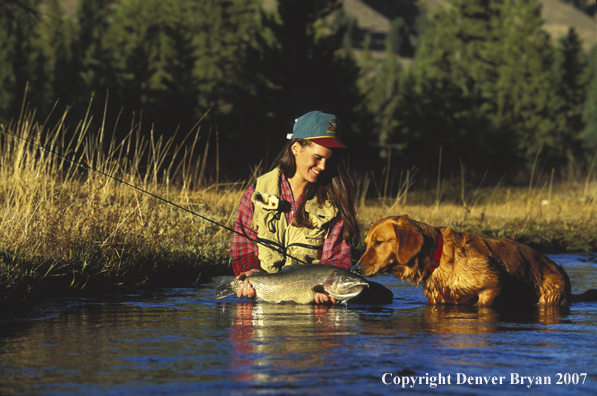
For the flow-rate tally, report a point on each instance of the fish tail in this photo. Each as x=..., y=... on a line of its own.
x=226, y=286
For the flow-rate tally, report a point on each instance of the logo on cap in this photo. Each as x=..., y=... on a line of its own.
x=333, y=127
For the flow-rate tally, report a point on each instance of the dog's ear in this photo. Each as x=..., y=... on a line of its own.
x=409, y=244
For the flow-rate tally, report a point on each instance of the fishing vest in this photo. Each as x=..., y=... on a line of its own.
x=269, y=221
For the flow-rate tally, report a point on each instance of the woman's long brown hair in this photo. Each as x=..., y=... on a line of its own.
x=334, y=186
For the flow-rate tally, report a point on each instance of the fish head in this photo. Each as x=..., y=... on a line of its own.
x=344, y=286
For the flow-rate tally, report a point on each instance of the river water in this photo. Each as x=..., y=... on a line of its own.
x=184, y=342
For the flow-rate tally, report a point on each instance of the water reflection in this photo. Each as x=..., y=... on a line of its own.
x=473, y=327
x=292, y=336
x=477, y=320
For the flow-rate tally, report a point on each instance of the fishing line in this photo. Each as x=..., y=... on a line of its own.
x=266, y=243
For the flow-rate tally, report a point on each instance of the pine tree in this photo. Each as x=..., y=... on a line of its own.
x=525, y=89
x=571, y=85
x=398, y=38
x=223, y=29
x=93, y=19
x=90, y=60
x=589, y=115
x=53, y=46
x=450, y=94
x=7, y=76
x=150, y=43
x=20, y=57
x=382, y=87
x=342, y=20
x=460, y=46
x=175, y=69
x=177, y=59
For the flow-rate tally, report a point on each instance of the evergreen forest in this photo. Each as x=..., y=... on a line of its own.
x=478, y=86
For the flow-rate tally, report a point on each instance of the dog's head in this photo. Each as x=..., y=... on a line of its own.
x=393, y=244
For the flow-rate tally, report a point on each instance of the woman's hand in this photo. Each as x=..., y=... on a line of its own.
x=321, y=298
x=246, y=289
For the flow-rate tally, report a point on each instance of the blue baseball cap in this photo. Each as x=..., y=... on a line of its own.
x=320, y=128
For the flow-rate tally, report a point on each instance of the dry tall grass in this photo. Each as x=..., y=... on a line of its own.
x=60, y=222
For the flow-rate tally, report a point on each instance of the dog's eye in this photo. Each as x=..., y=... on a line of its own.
x=377, y=243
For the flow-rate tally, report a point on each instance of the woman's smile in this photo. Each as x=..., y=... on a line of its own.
x=311, y=161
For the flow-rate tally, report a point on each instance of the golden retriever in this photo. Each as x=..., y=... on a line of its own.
x=461, y=268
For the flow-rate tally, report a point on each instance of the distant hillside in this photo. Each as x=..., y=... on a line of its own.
x=69, y=6
x=559, y=17
x=376, y=15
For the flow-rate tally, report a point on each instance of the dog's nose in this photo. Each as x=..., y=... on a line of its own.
x=358, y=269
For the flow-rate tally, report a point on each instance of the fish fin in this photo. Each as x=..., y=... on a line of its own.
x=319, y=289
x=220, y=280
x=290, y=267
x=225, y=287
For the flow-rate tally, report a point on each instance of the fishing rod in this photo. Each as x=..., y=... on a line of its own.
x=266, y=243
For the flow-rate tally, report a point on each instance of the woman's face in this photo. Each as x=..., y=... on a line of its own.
x=311, y=161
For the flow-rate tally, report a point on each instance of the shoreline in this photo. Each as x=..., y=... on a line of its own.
x=23, y=300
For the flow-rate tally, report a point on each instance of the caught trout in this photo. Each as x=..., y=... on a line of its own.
x=297, y=283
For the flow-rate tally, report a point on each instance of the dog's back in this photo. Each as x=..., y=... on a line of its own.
x=526, y=275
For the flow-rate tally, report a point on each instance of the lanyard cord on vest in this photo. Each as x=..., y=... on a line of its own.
x=277, y=247
x=271, y=223
x=280, y=249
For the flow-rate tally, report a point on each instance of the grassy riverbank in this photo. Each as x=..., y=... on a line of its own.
x=67, y=230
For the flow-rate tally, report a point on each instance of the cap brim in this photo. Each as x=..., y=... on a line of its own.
x=328, y=142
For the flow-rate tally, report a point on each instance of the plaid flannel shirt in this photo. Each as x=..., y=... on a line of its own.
x=244, y=252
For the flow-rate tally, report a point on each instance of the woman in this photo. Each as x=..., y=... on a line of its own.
x=303, y=208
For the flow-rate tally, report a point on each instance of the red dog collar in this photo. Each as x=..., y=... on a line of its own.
x=438, y=254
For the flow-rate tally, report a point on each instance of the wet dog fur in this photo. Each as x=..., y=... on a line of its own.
x=472, y=269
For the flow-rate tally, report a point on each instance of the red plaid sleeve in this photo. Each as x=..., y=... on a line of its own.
x=244, y=253
x=335, y=250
